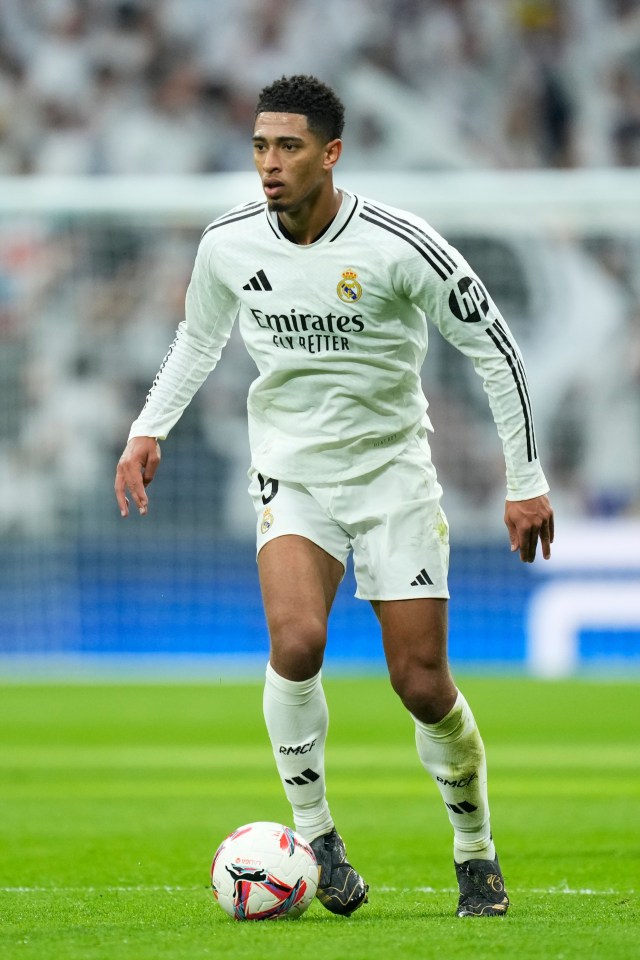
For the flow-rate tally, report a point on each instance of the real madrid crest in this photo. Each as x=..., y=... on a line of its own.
x=349, y=290
x=267, y=521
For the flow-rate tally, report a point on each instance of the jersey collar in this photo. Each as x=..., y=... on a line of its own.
x=330, y=232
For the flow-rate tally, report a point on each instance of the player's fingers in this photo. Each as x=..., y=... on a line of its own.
x=138, y=493
x=527, y=523
x=151, y=466
x=129, y=476
x=528, y=540
x=120, y=492
x=513, y=534
x=546, y=539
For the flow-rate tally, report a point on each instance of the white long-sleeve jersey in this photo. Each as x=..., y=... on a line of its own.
x=338, y=332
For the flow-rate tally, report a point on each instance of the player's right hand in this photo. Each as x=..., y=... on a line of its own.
x=135, y=471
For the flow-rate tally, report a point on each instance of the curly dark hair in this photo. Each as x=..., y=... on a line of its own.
x=308, y=96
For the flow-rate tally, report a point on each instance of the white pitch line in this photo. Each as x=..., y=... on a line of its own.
x=581, y=891
x=141, y=888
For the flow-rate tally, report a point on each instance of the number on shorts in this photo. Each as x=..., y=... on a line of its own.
x=264, y=483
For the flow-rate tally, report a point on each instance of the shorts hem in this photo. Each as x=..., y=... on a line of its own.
x=403, y=595
x=306, y=536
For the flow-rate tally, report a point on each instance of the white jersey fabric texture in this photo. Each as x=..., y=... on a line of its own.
x=338, y=331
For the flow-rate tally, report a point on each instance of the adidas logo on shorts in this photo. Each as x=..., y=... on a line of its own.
x=422, y=579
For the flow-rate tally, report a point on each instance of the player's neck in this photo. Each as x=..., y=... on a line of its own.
x=311, y=220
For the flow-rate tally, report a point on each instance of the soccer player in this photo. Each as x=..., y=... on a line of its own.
x=333, y=292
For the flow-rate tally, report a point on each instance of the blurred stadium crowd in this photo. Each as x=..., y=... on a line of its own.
x=89, y=306
x=168, y=86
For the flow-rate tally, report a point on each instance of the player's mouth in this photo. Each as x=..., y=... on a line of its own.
x=272, y=188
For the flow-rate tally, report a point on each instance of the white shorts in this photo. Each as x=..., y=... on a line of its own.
x=390, y=518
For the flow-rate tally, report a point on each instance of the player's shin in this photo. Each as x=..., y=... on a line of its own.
x=297, y=721
x=452, y=751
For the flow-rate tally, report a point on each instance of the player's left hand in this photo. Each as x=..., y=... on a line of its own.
x=527, y=521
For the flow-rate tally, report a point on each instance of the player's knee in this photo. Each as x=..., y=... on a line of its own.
x=297, y=646
x=421, y=688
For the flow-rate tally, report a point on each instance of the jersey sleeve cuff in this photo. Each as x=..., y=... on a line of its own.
x=140, y=430
x=528, y=491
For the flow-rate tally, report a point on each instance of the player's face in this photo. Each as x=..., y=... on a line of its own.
x=293, y=162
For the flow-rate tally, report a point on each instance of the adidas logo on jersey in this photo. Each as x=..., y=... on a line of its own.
x=422, y=579
x=259, y=282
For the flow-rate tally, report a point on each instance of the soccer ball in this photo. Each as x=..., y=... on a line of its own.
x=264, y=871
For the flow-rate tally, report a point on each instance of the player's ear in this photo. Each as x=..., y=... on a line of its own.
x=332, y=152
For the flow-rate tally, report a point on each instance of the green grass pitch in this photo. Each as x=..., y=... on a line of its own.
x=113, y=799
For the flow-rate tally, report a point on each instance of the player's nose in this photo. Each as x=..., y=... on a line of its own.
x=271, y=160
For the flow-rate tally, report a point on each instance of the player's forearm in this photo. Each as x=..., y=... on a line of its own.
x=506, y=387
x=485, y=338
x=182, y=373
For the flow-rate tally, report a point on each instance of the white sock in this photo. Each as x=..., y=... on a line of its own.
x=452, y=751
x=297, y=721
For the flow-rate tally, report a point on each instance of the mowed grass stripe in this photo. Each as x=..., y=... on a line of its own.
x=365, y=756
x=151, y=771
x=122, y=787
